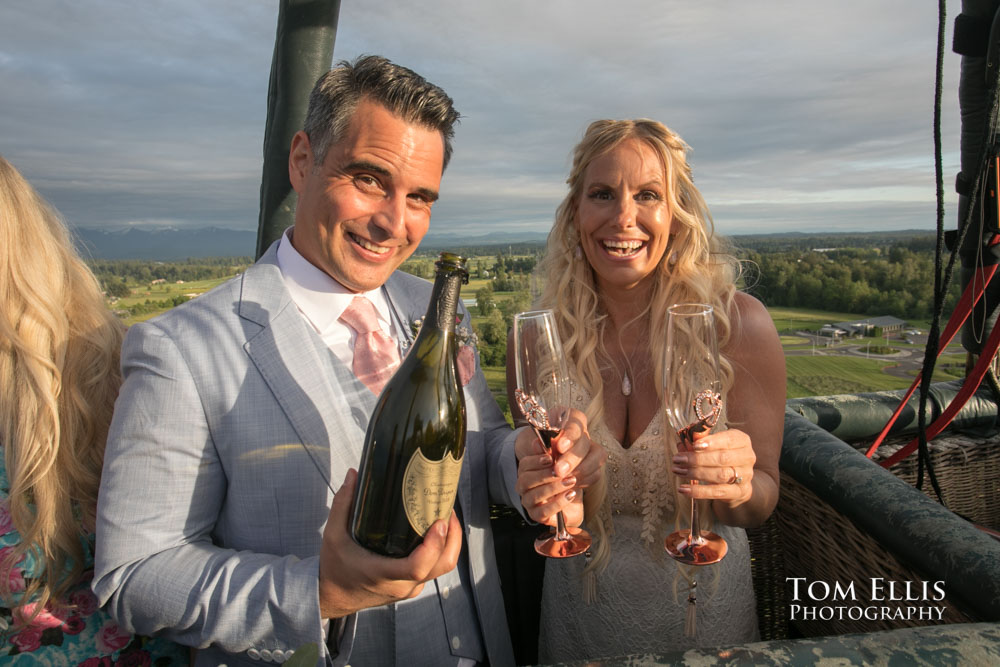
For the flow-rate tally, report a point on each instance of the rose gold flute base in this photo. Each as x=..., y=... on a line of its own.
x=710, y=548
x=550, y=546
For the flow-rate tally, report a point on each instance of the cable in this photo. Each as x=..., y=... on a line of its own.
x=930, y=352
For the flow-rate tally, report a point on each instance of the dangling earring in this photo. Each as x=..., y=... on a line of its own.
x=578, y=252
x=672, y=259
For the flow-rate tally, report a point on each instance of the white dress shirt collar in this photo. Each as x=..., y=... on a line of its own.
x=320, y=298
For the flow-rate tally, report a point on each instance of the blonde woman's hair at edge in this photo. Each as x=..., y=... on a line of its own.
x=694, y=268
x=59, y=376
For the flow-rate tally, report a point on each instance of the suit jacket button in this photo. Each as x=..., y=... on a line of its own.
x=445, y=592
x=456, y=642
x=253, y=653
x=265, y=655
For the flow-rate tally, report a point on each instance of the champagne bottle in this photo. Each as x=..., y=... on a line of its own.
x=415, y=442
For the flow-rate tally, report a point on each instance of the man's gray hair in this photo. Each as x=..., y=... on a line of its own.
x=401, y=91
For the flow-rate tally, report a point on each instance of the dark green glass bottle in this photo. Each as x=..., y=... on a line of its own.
x=415, y=442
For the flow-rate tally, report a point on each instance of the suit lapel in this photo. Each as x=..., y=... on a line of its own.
x=403, y=310
x=327, y=406
x=298, y=372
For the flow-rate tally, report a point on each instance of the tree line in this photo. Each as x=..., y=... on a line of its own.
x=881, y=273
x=918, y=241
x=492, y=331
x=489, y=266
x=507, y=274
x=151, y=306
x=896, y=281
x=888, y=273
x=115, y=275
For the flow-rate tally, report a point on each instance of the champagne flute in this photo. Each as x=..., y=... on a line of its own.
x=693, y=401
x=543, y=396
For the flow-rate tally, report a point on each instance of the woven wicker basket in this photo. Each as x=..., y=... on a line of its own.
x=767, y=567
x=967, y=469
x=820, y=544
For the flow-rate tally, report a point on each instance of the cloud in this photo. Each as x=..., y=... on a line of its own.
x=798, y=114
x=122, y=112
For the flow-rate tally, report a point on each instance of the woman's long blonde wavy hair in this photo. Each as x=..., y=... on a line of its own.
x=59, y=376
x=694, y=268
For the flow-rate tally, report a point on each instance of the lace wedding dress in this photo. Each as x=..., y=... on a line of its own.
x=641, y=597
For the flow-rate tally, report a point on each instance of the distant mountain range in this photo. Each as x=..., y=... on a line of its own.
x=171, y=243
x=435, y=241
x=164, y=243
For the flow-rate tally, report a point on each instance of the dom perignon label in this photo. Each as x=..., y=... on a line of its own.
x=429, y=489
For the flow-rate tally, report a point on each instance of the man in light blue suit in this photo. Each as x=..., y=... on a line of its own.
x=218, y=521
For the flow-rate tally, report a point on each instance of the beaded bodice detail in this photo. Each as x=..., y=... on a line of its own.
x=638, y=482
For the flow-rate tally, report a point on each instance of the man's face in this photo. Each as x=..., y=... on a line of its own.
x=364, y=210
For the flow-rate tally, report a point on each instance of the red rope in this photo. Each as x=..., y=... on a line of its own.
x=971, y=295
x=969, y=387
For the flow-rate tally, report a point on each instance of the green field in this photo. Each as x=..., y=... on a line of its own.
x=496, y=378
x=827, y=375
x=469, y=291
x=162, y=292
x=165, y=290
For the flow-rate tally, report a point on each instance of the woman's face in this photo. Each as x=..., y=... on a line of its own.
x=622, y=216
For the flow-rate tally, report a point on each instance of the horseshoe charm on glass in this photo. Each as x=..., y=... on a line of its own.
x=714, y=400
x=533, y=412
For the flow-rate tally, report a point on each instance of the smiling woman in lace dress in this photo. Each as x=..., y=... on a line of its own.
x=632, y=237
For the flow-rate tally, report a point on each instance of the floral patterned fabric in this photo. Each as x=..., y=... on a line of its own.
x=76, y=634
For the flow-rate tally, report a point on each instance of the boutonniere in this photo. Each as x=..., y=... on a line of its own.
x=467, y=342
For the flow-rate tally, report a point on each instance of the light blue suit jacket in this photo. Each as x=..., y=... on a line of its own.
x=233, y=426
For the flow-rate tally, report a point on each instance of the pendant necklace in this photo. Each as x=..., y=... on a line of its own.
x=626, y=383
x=626, y=387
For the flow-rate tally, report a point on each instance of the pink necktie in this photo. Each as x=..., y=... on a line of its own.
x=375, y=354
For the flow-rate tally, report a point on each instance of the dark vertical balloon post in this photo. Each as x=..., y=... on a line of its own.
x=303, y=51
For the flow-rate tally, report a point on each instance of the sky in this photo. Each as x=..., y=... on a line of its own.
x=809, y=116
